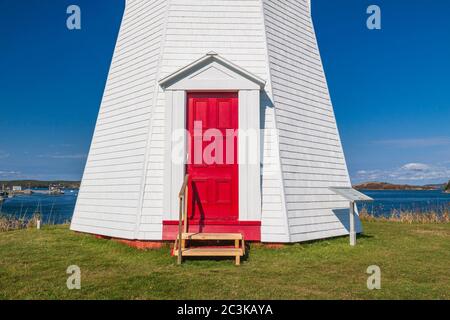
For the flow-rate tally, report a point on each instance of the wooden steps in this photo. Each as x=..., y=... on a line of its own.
x=188, y=249
x=211, y=252
x=212, y=236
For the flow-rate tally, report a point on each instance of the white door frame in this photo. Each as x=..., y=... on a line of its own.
x=213, y=73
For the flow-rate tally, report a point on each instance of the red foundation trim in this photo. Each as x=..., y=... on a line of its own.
x=270, y=245
x=250, y=229
x=137, y=244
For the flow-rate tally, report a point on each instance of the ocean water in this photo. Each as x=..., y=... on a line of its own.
x=59, y=209
x=387, y=201
x=53, y=208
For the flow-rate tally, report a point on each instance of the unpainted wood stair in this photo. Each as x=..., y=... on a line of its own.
x=206, y=251
x=184, y=239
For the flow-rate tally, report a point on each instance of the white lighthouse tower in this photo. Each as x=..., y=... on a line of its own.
x=244, y=65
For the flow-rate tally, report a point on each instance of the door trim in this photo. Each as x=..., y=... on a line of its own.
x=199, y=79
x=249, y=174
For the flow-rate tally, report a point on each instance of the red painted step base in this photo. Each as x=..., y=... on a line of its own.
x=138, y=244
x=251, y=230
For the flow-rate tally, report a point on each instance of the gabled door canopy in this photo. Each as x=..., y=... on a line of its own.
x=212, y=72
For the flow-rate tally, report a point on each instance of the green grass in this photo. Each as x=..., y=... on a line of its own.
x=414, y=261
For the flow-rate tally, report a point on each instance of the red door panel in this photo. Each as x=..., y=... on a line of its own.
x=212, y=121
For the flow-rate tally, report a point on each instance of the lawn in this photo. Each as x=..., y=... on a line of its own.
x=414, y=261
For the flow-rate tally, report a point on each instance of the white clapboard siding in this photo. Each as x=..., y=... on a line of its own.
x=311, y=153
x=235, y=30
x=122, y=191
x=117, y=156
x=274, y=224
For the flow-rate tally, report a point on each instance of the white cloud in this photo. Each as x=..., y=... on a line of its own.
x=64, y=156
x=416, y=142
x=369, y=175
x=415, y=173
x=4, y=155
x=10, y=174
x=415, y=167
x=69, y=156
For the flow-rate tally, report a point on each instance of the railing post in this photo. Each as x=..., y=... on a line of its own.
x=180, y=251
x=186, y=200
x=183, y=196
x=182, y=204
x=352, y=224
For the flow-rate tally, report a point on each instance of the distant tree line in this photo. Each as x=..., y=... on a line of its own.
x=25, y=184
x=447, y=188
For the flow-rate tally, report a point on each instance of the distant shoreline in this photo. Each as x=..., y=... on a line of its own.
x=25, y=184
x=364, y=189
x=382, y=186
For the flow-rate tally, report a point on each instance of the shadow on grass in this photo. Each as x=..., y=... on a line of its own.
x=360, y=236
x=364, y=236
x=214, y=259
x=244, y=258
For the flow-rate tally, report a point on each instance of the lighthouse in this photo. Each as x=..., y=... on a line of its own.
x=223, y=104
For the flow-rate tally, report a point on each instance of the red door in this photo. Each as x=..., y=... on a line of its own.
x=212, y=121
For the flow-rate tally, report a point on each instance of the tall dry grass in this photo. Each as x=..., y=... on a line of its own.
x=410, y=217
x=10, y=223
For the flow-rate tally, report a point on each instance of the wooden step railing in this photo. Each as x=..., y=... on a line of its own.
x=183, y=236
x=183, y=218
x=217, y=250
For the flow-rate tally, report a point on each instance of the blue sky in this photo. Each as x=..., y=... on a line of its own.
x=390, y=87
